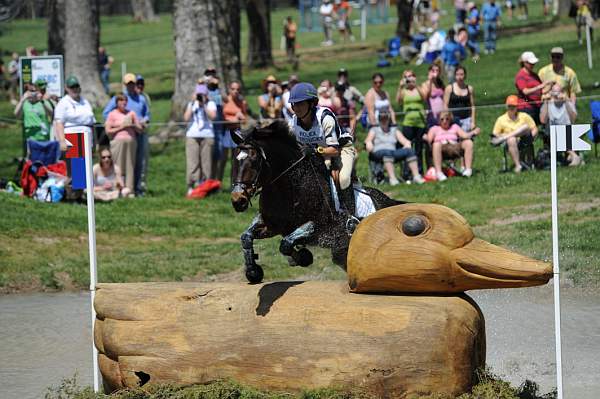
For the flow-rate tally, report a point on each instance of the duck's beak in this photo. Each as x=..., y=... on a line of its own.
x=480, y=265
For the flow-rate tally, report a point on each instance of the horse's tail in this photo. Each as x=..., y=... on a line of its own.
x=380, y=200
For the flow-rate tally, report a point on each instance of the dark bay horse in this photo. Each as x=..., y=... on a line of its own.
x=295, y=198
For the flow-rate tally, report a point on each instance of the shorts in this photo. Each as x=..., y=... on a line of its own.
x=465, y=124
x=452, y=150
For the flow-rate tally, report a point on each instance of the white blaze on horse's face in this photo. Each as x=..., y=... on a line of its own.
x=242, y=155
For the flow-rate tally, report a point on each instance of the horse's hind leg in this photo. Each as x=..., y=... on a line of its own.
x=256, y=230
x=302, y=234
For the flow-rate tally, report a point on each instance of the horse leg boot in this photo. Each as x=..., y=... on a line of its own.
x=254, y=272
x=302, y=257
x=349, y=203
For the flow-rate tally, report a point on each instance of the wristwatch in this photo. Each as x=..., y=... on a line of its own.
x=320, y=150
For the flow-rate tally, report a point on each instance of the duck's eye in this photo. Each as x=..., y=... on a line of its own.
x=414, y=225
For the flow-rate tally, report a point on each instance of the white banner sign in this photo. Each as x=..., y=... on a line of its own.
x=48, y=68
x=568, y=137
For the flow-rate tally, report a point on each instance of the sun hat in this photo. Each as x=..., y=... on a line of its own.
x=512, y=100
x=342, y=71
x=267, y=80
x=302, y=91
x=139, y=78
x=128, y=78
x=72, y=81
x=529, y=57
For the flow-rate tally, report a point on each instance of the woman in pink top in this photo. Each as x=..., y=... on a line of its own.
x=449, y=139
x=433, y=89
x=121, y=126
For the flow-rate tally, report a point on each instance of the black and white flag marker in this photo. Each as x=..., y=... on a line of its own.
x=562, y=138
x=568, y=137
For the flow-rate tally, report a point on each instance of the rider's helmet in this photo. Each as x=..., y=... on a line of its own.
x=303, y=91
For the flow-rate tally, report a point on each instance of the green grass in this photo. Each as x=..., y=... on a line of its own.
x=166, y=237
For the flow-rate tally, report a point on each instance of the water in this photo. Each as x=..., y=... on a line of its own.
x=47, y=337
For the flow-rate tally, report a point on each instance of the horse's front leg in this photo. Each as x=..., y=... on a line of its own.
x=256, y=230
x=302, y=234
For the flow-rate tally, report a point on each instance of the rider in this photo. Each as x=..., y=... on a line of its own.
x=317, y=128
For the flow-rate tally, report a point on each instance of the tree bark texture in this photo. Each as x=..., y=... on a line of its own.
x=82, y=32
x=258, y=13
x=207, y=33
x=56, y=26
x=143, y=10
x=287, y=336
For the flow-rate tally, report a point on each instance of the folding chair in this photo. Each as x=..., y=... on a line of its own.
x=594, y=134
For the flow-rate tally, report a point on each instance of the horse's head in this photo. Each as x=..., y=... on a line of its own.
x=247, y=168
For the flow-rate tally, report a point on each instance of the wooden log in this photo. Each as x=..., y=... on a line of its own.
x=287, y=336
x=428, y=248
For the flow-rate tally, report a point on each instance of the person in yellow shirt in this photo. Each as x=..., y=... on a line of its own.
x=561, y=74
x=513, y=126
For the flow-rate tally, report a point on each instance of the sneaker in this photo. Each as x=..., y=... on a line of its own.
x=467, y=172
x=518, y=169
x=418, y=179
x=486, y=51
x=575, y=160
x=394, y=182
x=441, y=176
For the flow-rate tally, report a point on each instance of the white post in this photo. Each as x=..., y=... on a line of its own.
x=557, y=334
x=123, y=72
x=363, y=22
x=588, y=39
x=89, y=183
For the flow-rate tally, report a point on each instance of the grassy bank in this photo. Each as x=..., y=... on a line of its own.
x=165, y=237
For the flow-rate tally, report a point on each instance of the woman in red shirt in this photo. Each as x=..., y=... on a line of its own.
x=529, y=86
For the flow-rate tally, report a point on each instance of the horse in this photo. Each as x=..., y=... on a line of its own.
x=295, y=197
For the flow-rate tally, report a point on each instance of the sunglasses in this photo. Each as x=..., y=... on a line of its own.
x=75, y=87
x=557, y=56
x=378, y=82
x=107, y=157
x=445, y=119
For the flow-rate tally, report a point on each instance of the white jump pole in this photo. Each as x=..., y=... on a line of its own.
x=556, y=278
x=89, y=182
x=588, y=39
x=363, y=22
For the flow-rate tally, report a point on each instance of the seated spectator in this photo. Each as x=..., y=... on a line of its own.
x=558, y=109
x=270, y=102
x=450, y=140
x=108, y=181
x=200, y=138
x=512, y=127
x=382, y=142
x=122, y=126
x=36, y=114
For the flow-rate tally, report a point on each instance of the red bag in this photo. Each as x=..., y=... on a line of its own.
x=205, y=188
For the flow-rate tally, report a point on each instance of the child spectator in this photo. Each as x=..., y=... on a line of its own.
x=108, y=180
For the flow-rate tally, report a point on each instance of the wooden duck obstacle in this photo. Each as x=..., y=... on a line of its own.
x=301, y=335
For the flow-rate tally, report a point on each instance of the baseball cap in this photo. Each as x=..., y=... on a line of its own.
x=342, y=71
x=557, y=50
x=512, y=100
x=41, y=83
x=529, y=57
x=139, y=78
x=72, y=81
x=301, y=92
x=128, y=78
x=202, y=89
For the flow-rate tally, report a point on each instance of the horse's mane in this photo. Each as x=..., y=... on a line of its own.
x=276, y=130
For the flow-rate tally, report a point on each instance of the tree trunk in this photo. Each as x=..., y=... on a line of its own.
x=82, y=29
x=259, y=33
x=563, y=7
x=56, y=26
x=143, y=10
x=287, y=336
x=206, y=33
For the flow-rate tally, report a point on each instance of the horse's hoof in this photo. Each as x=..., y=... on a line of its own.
x=254, y=274
x=303, y=257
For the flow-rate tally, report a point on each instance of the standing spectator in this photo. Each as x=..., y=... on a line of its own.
x=108, y=180
x=270, y=102
x=36, y=114
x=285, y=98
x=433, y=90
x=561, y=74
x=140, y=85
x=122, y=126
x=346, y=117
x=289, y=31
x=523, y=10
x=412, y=99
x=200, y=138
x=583, y=18
x=449, y=139
x=13, y=72
x=547, y=4
x=214, y=94
x=326, y=11
x=345, y=110
x=510, y=6
x=513, y=126
x=557, y=109
x=351, y=93
x=136, y=103
x=452, y=54
x=377, y=99
x=460, y=10
x=73, y=113
x=385, y=142
x=529, y=86
x=326, y=93
x=343, y=10
x=404, y=11
x=473, y=22
x=235, y=112
x=459, y=98
x=491, y=20
x=104, y=63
